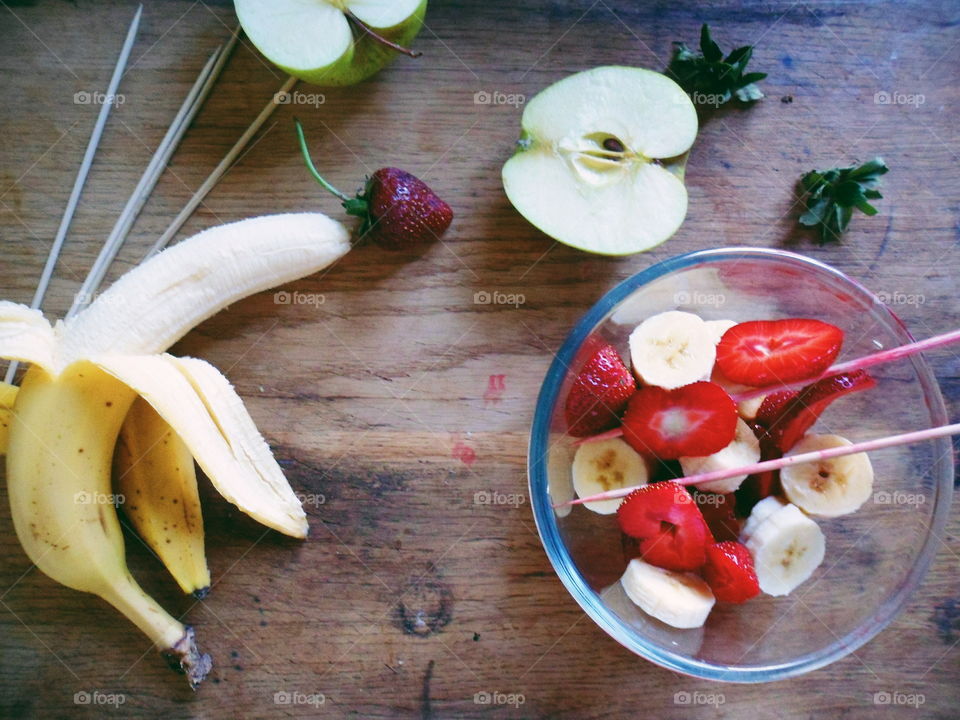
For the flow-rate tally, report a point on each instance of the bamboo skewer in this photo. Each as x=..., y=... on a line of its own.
x=779, y=463
x=218, y=172
x=81, y=179
x=161, y=157
x=140, y=193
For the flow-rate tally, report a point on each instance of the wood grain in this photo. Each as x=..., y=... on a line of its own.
x=399, y=398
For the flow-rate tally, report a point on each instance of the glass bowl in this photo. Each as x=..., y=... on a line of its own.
x=875, y=558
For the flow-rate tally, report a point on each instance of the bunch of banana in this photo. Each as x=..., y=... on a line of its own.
x=103, y=375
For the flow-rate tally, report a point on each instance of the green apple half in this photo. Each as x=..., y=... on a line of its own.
x=600, y=160
x=314, y=41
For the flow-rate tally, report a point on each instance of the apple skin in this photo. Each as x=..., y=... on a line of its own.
x=363, y=58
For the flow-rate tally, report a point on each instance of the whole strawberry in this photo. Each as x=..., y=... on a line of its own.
x=396, y=208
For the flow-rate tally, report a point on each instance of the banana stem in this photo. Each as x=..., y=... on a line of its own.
x=885, y=356
x=176, y=641
x=378, y=37
x=767, y=465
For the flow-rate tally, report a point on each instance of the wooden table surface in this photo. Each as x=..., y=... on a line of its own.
x=400, y=398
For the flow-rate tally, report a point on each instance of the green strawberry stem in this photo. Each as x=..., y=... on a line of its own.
x=378, y=37
x=353, y=205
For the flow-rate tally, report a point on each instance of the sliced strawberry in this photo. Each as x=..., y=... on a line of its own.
x=719, y=512
x=694, y=420
x=765, y=352
x=730, y=573
x=790, y=421
x=772, y=407
x=599, y=394
x=668, y=524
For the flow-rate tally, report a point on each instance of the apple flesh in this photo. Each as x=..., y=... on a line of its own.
x=600, y=161
x=313, y=40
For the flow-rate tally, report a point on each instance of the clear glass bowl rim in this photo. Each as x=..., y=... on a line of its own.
x=562, y=562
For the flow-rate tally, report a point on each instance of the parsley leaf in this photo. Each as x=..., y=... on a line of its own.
x=712, y=76
x=832, y=195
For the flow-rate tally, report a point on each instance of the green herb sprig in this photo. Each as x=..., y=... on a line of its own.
x=711, y=74
x=831, y=196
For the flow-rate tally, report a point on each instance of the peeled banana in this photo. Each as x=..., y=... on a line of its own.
x=86, y=373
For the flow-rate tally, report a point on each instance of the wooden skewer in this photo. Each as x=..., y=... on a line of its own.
x=158, y=163
x=140, y=193
x=78, y=184
x=767, y=465
x=218, y=172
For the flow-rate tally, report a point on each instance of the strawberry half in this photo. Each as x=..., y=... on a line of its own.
x=730, y=573
x=693, y=420
x=668, y=524
x=790, y=415
x=766, y=352
x=599, y=393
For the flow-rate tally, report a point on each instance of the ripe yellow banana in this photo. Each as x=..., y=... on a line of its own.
x=8, y=394
x=87, y=372
x=63, y=505
x=157, y=480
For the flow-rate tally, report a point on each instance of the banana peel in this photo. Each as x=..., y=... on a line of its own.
x=62, y=425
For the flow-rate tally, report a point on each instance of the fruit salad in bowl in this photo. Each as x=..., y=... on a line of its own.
x=691, y=371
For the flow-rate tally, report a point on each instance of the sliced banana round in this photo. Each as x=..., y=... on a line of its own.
x=559, y=476
x=786, y=548
x=717, y=328
x=828, y=488
x=681, y=600
x=672, y=349
x=748, y=409
x=744, y=449
x=602, y=465
x=761, y=511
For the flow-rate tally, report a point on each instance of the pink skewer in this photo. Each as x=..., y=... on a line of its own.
x=608, y=435
x=866, y=446
x=860, y=363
